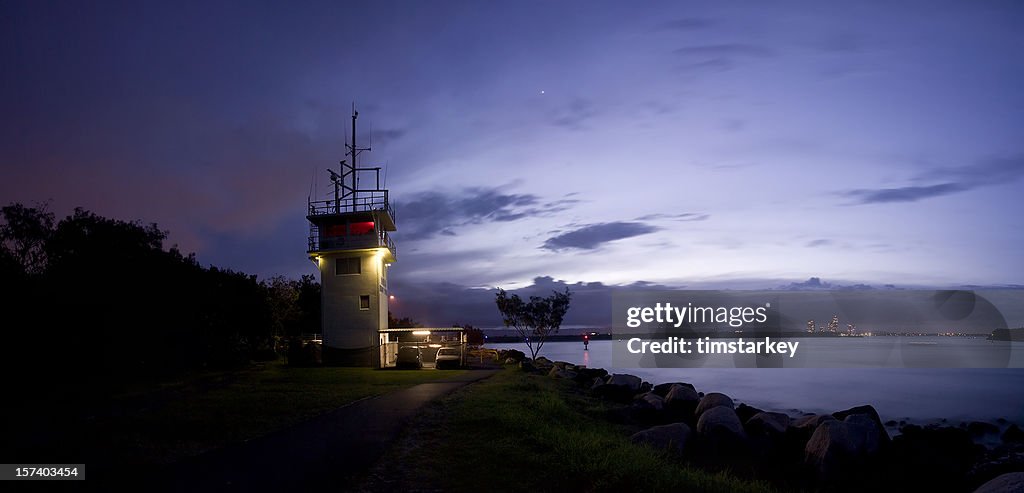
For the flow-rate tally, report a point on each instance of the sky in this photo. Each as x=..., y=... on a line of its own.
x=537, y=145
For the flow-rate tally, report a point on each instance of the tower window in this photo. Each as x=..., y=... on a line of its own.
x=364, y=302
x=347, y=266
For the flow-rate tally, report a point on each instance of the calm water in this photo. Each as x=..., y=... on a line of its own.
x=921, y=394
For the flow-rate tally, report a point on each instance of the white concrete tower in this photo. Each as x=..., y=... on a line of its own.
x=348, y=241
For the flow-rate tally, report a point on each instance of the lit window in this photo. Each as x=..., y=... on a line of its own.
x=347, y=266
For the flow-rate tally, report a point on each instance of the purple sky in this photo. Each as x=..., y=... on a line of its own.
x=684, y=143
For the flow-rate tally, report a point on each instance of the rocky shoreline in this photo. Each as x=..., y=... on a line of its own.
x=849, y=449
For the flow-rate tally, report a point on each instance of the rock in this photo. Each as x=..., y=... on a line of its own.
x=513, y=354
x=934, y=458
x=542, y=361
x=869, y=429
x=671, y=437
x=527, y=365
x=746, y=412
x=629, y=381
x=645, y=387
x=869, y=411
x=721, y=426
x=648, y=407
x=662, y=389
x=1011, y=482
x=891, y=423
x=811, y=422
x=681, y=400
x=837, y=449
x=713, y=399
x=618, y=387
x=560, y=373
x=765, y=423
x=981, y=428
x=592, y=372
x=1013, y=434
x=653, y=400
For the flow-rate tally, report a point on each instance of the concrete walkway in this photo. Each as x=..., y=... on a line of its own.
x=328, y=453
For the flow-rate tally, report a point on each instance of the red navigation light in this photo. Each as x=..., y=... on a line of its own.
x=586, y=337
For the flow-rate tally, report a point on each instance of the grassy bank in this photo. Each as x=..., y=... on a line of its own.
x=164, y=422
x=520, y=432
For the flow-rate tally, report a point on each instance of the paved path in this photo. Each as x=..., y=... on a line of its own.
x=328, y=453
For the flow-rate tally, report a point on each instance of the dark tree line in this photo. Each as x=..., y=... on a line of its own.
x=102, y=297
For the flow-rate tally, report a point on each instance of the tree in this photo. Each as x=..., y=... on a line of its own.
x=536, y=320
x=23, y=235
x=474, y=336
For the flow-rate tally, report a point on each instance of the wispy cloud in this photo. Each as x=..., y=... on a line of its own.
x=719, y=57
x=592, y=236
x=683, y=217
x=952, y=180
x=433, y=213
x=818, y=243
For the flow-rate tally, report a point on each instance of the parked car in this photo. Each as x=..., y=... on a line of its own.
x=409, y=357
x=448, y=357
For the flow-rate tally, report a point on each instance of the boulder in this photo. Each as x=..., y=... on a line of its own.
x=527, y=365
x=935, y=457
x=652, y=400
x=869, y=411
x=648, y=407
x=869, y=429
x=721, y=427
x=681, y=400
x=1011, y=482
x=713, y=399
x=618, y=387
x=587, y=375
x=981, y=428
x=837, y=449
x=513, y=354
x=807, y=424
x=662, y=389
x=746, y=412
x=560, y=373
x=1013, y=434
x=765, y=423
x=672, y=437
x=631, y=382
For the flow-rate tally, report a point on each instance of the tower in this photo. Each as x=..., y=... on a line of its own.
x=348, y=241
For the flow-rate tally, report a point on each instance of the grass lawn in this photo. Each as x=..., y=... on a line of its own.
x=163, y=423
x=520, y=432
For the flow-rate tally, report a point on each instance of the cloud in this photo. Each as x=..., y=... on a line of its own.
x=905, y=194
x=953, y=180
x=815, y=283
x=683, y=217
x=431, y=213
x=818, y=243
x=592, y=236
x=719, y=57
